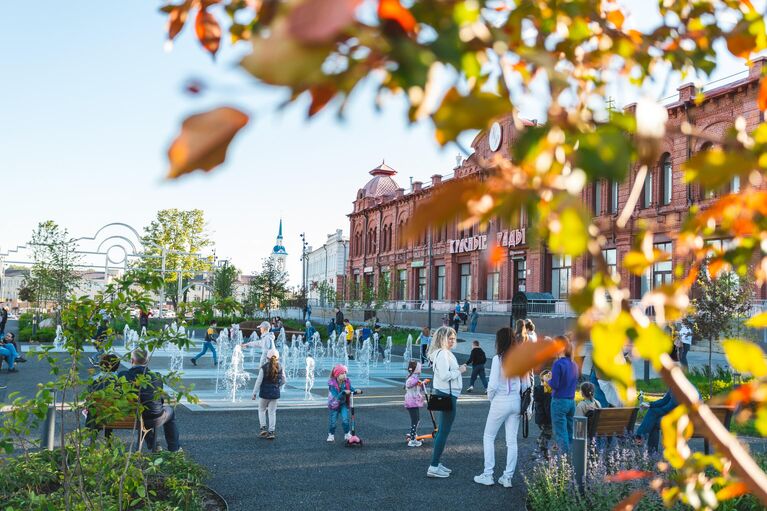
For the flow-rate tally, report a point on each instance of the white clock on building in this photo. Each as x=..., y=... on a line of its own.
x=494, y=137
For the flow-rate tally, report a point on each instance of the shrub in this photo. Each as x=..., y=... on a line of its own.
x=47, y=334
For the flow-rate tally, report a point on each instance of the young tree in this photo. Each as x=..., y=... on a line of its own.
x=327, y=293
x=720, y=306
x=173, y=243
x=54, y=272
x=269, y=287
x=224, y=280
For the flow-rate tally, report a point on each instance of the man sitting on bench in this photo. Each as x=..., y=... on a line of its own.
x=155, y=413
x=108, y=365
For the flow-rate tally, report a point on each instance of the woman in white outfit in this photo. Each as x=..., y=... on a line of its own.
x=505, y=402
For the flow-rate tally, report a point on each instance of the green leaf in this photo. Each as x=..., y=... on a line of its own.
x=459, y=113
x=604, y=153
x=745, y=357
x=568, y=235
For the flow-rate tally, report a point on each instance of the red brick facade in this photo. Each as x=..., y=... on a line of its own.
x=382, y=208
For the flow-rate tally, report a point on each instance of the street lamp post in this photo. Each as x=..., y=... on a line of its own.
x=304, y=271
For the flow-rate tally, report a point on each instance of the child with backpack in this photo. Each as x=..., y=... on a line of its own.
x=542, y=404
x=339, y=389
x=270, y=379
x=414, y=400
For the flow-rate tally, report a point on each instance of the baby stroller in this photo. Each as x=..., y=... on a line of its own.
x=353, y=440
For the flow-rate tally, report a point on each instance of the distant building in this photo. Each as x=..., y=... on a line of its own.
x=279, y=253
x=10, y=284
x=327, y=264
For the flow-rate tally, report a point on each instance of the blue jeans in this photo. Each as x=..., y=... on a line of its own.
x=207, y=345
x=649, y=429
x=683, y=354
x=443, y=429
x=562, y=413
x=168, y=422
x=473, y=327
x=478, y=370
x=343, y=411
x=10, y=354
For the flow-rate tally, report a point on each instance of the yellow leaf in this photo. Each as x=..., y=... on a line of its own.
x=745, y=357
x=677, y=429
x=203, y=140
x=761, y=420
x=636, y=262
x=651, y=343
x=609, y=340
x=567, y=234
x=758, y=321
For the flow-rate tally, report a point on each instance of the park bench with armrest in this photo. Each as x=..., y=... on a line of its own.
x=607, y=422
x=723, y=413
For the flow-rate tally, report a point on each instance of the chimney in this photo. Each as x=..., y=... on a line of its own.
x=757, y=64
x=436, y=179
x=458, y=160
x=686, y=92
x=400, y=192
x=417, y=185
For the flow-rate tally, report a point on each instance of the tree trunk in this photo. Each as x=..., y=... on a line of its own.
x=710, y=369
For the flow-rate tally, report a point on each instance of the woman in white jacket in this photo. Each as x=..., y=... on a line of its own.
x=446, y=382
x=504, y=395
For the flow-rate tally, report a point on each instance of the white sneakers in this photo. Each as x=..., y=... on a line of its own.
x=485, y=479
x=505, y=481
x=444, y=468
x=414, y=443
x=347, y=436
x=437, y=472
x=331, y=438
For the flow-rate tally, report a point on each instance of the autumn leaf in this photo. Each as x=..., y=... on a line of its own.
x=630, y=502
x=319, y=21
x=745, y=357
x=459, y=113
x=651, y=343
x=628, y=475
x=741, y=44
x=567, y=233
x=761, y=100
x=204, y=140
x=176, y=19
x=208, y=31
x=731, y=491
x=616, y=17
x=758, y=321
x=321, y=96
x=715, y=167
x=527, y=356
x=447, y=202
x=393, y=10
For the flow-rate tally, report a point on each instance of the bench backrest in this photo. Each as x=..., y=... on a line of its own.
x=612, y=421
x=722, y=413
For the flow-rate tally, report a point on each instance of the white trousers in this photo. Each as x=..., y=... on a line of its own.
x=267, y=406
x=503, y=411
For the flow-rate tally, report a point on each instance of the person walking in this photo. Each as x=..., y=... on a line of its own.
x=477, y=361
x=308, y=312
x=466, y=308
x=424, y=338
x=208, y=344
x=446, y=383
x=456, y=320
x=505, y=409
x=683, y=343
x=564, y=380
x=339, y=321
x=414, y=399
x=143, y=319
x=474, y=320
x=271, y=378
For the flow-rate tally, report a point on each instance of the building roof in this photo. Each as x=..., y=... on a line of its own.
x=279, y=248
x=382, y=182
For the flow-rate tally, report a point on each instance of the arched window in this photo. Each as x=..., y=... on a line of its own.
x=666, y=179
x=647, y=191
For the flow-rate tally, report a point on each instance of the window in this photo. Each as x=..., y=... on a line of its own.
x=735, y=184
x=422, y=284
x=611, y=258
x=647, y=190
x=597, y=198
x=465, y=287
x=386, y=281
x=520, y=274
x=440, y=283
x=493, y=283
x=666, y=179
x=614, y=197
x=402, y=286
x=660, y=273
x=561, y=267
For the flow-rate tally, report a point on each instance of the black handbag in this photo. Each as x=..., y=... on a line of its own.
x=525, y=398
x=437, y=403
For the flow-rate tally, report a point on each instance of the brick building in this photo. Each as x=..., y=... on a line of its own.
x=459, y=268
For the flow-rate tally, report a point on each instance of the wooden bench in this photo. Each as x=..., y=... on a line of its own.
x=723, y=413
x=605, y=422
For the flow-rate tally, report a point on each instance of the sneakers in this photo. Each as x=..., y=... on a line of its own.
x=331, y=437
x=271, y=435
x=414, y=443
x=437, y=472
x=263, y=433
x=194, y=362
x=13, y=370
x=21, y=359
x=470, y=389
x=503, y=480
x=445, y=469
x=485, y=479
x=347, y=436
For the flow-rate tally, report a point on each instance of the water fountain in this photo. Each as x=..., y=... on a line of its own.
x=59, y=340
x=408, y=350
x=363, y=362
x=387, y=351
x=224, y=355
x=309, y=382
x=236, y=376
x=253, y=337
x=376, y=350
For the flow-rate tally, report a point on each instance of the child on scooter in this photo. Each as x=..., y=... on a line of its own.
x=339, y=389
x=414, y=399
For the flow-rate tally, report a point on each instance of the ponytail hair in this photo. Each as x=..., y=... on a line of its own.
x=587, y=390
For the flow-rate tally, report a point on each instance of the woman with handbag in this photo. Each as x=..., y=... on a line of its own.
x=506, y=407
x=446, y=387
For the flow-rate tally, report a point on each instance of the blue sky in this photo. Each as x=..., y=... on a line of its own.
x=89, y=102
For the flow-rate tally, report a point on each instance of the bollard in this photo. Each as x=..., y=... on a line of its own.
x=646, y=371
x=580, y=449
x=49, y=428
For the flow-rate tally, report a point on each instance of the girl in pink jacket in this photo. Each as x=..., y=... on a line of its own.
x=414, y=399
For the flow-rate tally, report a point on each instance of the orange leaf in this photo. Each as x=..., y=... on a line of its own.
x=319, y=21
x=630, y=502
x=177, y=19
x=741, y=44
x=321, y=96
x=204, y=140
x=208, y=31
x=529, y=355
x=628, y=475
x=393, y=10
x=762, y=99
x=732, y=491
x=616, y=17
